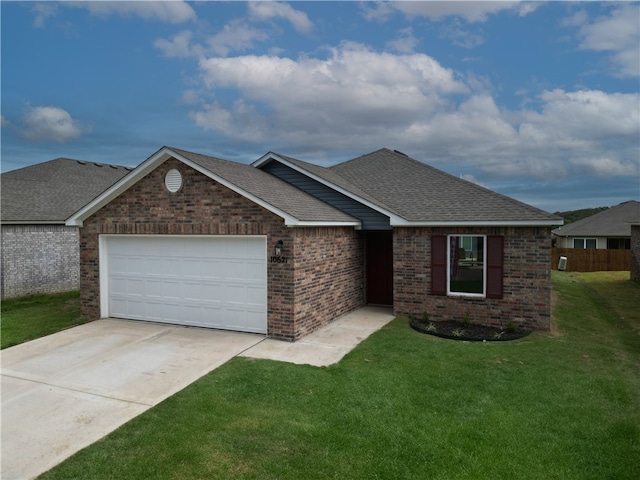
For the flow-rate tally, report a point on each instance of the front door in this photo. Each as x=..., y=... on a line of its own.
x=379, y=267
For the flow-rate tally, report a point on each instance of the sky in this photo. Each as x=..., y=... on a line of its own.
x=539, y=101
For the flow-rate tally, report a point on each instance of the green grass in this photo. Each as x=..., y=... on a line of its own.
x=402, y=405
x=35, y=316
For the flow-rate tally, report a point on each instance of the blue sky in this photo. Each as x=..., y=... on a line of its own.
x=539, y=101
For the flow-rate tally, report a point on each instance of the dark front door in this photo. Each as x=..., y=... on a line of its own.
x=379, y=267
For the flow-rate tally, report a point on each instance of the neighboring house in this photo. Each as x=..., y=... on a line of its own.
x=635, y=251
x=39, y=252
x=282, y=247
x=609, y=229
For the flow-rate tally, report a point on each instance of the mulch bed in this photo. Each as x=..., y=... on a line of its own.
x=470, y=332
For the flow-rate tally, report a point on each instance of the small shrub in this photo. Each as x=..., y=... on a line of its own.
x=466, y=320
x=431, y=327
x=425, y=317
x=458, y=332
x=511, y=327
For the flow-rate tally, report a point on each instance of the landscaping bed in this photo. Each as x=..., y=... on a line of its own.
x=471, y=332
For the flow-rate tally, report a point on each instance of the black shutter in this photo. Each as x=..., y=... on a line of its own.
x=495, y=269
x=439, y=265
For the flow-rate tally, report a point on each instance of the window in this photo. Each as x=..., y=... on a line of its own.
x=619, y=243
x=467, y=265
x=466, y=271
x=584, y=243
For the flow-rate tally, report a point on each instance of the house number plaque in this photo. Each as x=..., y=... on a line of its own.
x=279, y=259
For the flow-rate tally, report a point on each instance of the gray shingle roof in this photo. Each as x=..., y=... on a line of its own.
x=53, y=190
x=612, y=222
x=270, y=189
x=421, y=193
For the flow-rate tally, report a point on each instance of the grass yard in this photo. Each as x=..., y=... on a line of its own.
x=35, y=316
x=559, y=405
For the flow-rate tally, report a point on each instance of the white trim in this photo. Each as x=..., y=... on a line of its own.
x=103, y=275
x=497, y=223
x=484, y=268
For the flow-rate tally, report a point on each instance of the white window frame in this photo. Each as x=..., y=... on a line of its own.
x=484, y=268
x=584, y=242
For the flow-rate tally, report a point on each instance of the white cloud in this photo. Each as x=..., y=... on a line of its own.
x=42, y=12
x=4, y=122
x=405, y=42
x=178, y=46
x=357, y=99
x=269, y=10
x=471, y=11
x=50, y=124
x=618, y=33
x=173, y=11
x=235, y=36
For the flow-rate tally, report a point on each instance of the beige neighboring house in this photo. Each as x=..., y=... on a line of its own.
x=39, y=252
x=609, y=229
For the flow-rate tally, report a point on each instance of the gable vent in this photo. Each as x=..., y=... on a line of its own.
x=173, y=180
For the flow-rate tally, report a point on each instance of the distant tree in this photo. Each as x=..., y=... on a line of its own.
x=575, y=215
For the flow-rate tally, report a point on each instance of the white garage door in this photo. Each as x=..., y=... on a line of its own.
x=205, y=281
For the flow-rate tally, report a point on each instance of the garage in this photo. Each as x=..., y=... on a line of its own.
x=204, y=281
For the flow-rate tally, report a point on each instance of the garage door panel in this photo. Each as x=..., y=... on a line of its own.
x=217, y=282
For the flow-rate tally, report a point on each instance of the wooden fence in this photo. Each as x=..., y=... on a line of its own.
x=591, y=259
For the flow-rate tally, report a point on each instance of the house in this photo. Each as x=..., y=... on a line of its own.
x=283, y=247
x=39, y=252
x=635, y=252
x=609, y=229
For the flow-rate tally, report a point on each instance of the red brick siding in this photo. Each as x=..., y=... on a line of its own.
x=527, y=281
x=201, y=207
x=329, y=275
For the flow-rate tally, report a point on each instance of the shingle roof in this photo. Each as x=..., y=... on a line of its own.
x=612, y=222
x=270, y=189
x=53, y=190
x=421, y=193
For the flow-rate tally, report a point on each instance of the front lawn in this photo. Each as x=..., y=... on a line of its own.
x=34, y=316
x=404, y=405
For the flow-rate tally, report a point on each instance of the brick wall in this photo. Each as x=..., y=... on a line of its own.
x=635, y=253
x=39, y=259
x=204, y=207
x=527, y=281
x=329, y=275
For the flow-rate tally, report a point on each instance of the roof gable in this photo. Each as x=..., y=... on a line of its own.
x=294, y=206
x=612, y=222
x=51, y=191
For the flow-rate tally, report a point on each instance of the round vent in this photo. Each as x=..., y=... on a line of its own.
x=173, y=180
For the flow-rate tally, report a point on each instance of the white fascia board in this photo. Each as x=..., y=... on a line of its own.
x=523, y=223
x=35, y=222
x=272, y=156
x=356, y=225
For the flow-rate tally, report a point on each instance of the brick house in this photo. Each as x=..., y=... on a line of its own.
x=39, y=252
x=283, y=247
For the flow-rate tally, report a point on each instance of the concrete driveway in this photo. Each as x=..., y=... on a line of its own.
x=63, y=392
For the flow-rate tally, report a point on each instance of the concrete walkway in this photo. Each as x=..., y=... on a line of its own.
x=63, y=392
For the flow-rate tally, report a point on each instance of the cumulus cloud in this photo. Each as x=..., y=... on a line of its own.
x=270, y=10
x=357, y=99
x=617, y=33
x=50, y=124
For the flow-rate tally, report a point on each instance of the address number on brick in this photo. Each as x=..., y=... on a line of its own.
x=277, y=259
